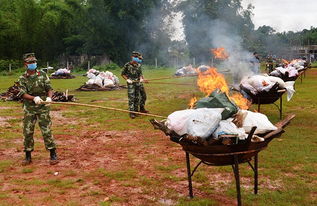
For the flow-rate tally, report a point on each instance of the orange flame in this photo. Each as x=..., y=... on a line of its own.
x=285, y=61
x=240, y=101
x=220, y=53
x=210, y=80
x=192, y=102
x=295, y=61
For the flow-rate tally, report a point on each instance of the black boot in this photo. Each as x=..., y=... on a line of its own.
x=132, y=115
x=53, y=157
x=143, y=110
x=28, y=158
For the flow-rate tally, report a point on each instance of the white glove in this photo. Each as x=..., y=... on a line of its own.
x=38, y=100
x=49, y=100
x=129, y=81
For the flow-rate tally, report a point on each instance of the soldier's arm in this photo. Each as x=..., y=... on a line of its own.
x=48, y=86
x=28, y=97
x=124, y=72
x=142, y=79
x=23, y=91
x=124, y=76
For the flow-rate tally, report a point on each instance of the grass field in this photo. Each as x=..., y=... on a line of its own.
x=109, y=159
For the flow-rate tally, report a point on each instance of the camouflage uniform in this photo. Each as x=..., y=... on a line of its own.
x=36, y=85
x=136, y=91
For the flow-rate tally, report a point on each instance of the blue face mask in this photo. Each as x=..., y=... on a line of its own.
x=32, y=66
x=136, y=59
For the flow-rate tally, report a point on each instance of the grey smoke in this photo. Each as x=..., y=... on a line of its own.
x=223, y=35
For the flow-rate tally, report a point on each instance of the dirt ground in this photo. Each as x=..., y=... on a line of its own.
x=99, y=167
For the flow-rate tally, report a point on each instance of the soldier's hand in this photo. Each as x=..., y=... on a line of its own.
x=144, y=80
x=129, y=81
x=38, y=100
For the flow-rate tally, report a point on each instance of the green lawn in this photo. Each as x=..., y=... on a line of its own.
x=287, y=168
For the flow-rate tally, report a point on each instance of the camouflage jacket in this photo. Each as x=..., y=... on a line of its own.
x=37, y=84
x=132, y=71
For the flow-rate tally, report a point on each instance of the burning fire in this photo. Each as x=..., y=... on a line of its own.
x=220, y=53
x=192, y=102
x=210, y=80
x=285, y=61
x=240, y=101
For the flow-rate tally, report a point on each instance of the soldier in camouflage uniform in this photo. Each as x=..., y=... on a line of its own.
x=34, y=87
x=132, y=73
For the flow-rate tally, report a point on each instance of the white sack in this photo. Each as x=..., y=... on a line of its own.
x=177, y=121
x=290, y=89
x=292, y=72
x=259, y=120
x=90, y=81
x=228, y=127
x=91, y=75
x=281, y=70
x=203, y=121
x=280, y=81
x=289, y=86
x=258, y=82
x=197, y=122
x=108, y=83
x=98, y=81
x=275, y=73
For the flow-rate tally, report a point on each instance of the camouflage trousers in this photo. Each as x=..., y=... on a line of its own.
x=45, y=123
x=137, y=96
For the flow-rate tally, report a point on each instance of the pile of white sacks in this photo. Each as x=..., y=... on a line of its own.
x=187, y=70
x=102, y=79
x=292, y=69
x=207, y=123
x=258, y=83
x=61, y=72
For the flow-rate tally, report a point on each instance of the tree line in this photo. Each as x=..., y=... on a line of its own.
x=73, y=27
x=52, y=28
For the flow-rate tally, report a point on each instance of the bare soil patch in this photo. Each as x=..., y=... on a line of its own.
x=4, y=121
x=121, y=167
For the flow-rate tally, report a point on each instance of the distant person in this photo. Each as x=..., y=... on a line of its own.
x=34, y=87
x=269, y=64
x=255, y=63
x=132, y=73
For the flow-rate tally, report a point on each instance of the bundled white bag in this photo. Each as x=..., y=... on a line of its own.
x=91, y=75
x=203, y=121
x=200, y=122
x=228, y=127
x=177, y=121
x=108, y=83
x=258, y=82
x=90, y=81
x=290, y=89
x=98, y=81
x=259, y=120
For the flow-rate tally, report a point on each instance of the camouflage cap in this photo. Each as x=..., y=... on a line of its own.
x=29, y=57
x=137, y=54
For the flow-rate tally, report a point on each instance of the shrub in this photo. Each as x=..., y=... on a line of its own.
x=107, y=67
x=15, y=64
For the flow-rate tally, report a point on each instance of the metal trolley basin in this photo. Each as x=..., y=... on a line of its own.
x=224, y=155
x=269, y=97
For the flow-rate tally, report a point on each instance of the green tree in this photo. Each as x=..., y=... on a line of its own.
x=200, y=17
